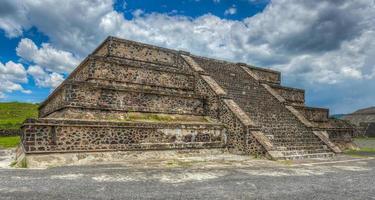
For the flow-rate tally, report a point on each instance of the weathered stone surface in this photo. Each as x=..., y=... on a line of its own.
x=133, y=96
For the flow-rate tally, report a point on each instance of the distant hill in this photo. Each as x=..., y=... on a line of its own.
x=370, y=110
x=338, y=116
x=12, y=114
x=365, y=115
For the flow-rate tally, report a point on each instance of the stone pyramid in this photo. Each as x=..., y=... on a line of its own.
x=132, y=96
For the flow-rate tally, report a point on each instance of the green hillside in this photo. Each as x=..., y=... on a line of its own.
x=12, y=114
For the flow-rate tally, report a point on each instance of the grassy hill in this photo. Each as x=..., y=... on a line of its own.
x=12, y=114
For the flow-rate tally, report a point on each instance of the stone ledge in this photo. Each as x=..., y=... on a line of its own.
x=101, y=123
x=142, y=89
x=141, y=146
x=139, y=64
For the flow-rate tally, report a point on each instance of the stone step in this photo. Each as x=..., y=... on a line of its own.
x=294, y=140
x=293, y=144
x=292, y=137
x=302, y=147
x=306, y=156
x=303, y=152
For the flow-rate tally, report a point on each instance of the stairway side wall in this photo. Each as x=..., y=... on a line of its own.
x=238, y=126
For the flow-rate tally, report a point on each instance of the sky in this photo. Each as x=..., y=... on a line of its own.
x=326, y=47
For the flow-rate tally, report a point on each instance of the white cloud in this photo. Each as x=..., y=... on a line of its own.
x=44, y=79
x=12, y=75
x=311, y=42
x=52, y=59
x=231, y=11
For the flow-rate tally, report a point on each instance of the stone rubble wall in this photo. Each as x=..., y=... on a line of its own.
x=54, y=102
x=143, y=75
x=293, y=96
x=218, y=106
x=90, y=95
x=273, y=118
x=266, y=75
x=69, y=136
x=125, y=49
x=122, y=76
x=313, y=114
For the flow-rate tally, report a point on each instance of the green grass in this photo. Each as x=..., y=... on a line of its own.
x=364, y=149
x=12, y=114
x=9, y=141
x=364, y=138
x=363, y=152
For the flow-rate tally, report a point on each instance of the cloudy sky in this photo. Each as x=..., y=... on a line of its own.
x=324, y=46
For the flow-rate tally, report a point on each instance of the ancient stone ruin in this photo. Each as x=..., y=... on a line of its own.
x=364, y=119
x=132, y=96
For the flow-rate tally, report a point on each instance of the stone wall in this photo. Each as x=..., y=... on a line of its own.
x=343, y=138
x=269, y=114
x=112, y=97
x=121, y=48
x=145, y=75
x=292, y=95
x=239, y=137
x=266, y=75
x=313, y=114
x=64, y=135
x=122, y=76
x=54, y=102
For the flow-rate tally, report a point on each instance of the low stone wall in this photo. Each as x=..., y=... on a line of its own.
x=10, y=132
x=47, y=135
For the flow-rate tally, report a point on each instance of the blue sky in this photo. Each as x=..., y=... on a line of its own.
x=325, y=47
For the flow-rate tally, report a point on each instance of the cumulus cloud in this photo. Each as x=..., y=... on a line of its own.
x=311, y=42
x=43, y=78
x=231, y=11
x=50, y=58
x=12, y=75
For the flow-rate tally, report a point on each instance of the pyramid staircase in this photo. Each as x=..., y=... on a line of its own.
x=133, y=96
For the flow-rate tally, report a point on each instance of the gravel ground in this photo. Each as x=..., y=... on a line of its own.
x=340, y=178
